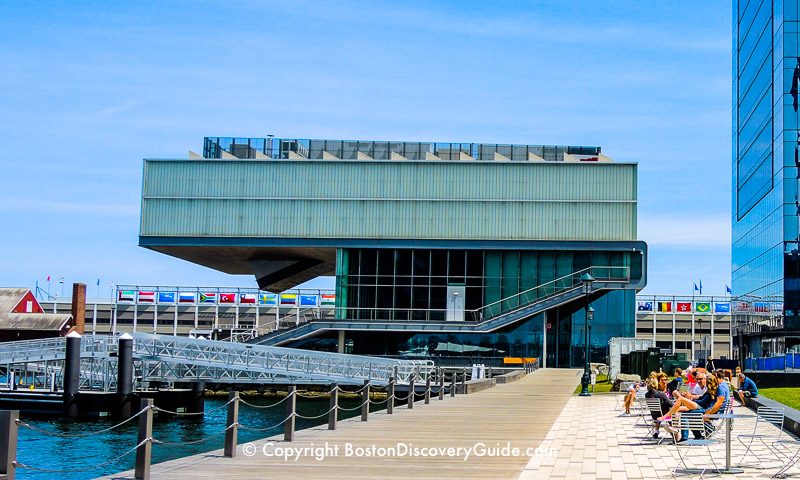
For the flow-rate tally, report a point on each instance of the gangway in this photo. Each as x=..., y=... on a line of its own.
x=488, y=318
x=167, y=359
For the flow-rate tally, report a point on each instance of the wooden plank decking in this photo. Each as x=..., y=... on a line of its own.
x=521, y=413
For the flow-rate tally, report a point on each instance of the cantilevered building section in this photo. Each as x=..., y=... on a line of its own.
x=451, y=238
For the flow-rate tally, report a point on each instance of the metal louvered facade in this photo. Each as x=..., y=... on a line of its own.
x=442, y=200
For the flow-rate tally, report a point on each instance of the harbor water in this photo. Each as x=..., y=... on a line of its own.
x=74, y=456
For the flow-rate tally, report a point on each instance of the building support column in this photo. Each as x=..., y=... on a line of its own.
x=340, y=342
x=544, y=340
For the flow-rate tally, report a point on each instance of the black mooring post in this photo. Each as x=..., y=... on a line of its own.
x=124, y=375
x=441, y=384
x=72, y=374
x=453, y=384
x=291, y=404
x=365, y=401
x=145, y=450
x=333, y=415
x=8, y=443
x=232, y=425
x=390, y=396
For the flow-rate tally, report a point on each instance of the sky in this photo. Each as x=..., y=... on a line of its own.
x=89, y=89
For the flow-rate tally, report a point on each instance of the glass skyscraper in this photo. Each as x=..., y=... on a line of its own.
x=765, y=165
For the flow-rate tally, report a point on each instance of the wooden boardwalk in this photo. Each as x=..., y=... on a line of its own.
x=521, y=413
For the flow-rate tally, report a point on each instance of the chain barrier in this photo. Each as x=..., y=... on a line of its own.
x=244, y=402
x=354, y=408
x=94, y=467
x=80, y=435
x=400, y=399
x=195, y=442
x=159, y=409
x=318, y=416
x=379, y=402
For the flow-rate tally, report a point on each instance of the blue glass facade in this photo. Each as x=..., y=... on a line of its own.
x=764, y=138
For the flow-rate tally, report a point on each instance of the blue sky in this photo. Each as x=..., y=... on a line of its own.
x=89, y=89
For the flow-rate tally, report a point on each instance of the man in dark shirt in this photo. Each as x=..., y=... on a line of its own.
x=675, y=383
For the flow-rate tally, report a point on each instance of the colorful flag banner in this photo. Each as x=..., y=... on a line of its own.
x=776, y=307
x=762, y=307
x=684, y=307
x=722, y=307
x=328, y=300
x=247, y=298
x=186, y=297
x=308, y=300
x=148, y=297
x=664, y=306
x=645, y=306
x=166, y=297
x=125, y=296
x=288, y=299
x=703, y=307
x=208, y=298
x=227, y=298
x=268, y=299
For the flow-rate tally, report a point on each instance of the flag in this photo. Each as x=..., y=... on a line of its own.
x=722, y=307
x=761, y=307
x=664, y=306
x=186, y=297
x=268, y=299
x=701, y=286
x=702, y=307
x=166, y=297
x=227, y=298
x=695, y=288
x=287, y=299
x=728, y=290
x=776, y=307
x=308, y=300
x=795, y=84
x=48, y=278
x=125, y=296
x=247, y=298
x=208, y=297
x=98, y=282
x=645, y=306
x=328, y=300
x=147, y=297
x=684, y=307
x=61, y=280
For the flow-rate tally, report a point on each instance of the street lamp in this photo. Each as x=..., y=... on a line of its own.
x=587, y=281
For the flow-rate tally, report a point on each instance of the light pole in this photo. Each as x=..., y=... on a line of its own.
x=587, y=281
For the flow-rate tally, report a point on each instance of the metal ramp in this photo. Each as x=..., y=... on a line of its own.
x=167, y=359
x=487, y=318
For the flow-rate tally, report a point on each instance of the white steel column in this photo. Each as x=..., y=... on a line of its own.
x=135, y=310
x=94, y=319
x=544, y=340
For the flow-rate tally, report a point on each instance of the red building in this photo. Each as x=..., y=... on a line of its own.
x=22, y=318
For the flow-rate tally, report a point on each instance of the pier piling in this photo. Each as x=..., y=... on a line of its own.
x=333, y=416
x=8, y=443
x=390, y=396
x=291, y=403
x=428, y=390
x=365, y=401
x=411, y=391
x=145, y=450
x=231, y=426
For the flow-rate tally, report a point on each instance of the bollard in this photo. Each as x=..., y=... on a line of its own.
x=231, y=426
x=144, y=452
x=124, y=375
x=365, y=401
x=441, y=384
x=53, y=386
x=390, y=396
x=411, y=391
x=428, y=390
x=12, y=380
x=72, y=374
x=489, y=374
x=8, y=443
x=453, y=384
x=333, y=416
x=464, y=380
x=288, y=429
